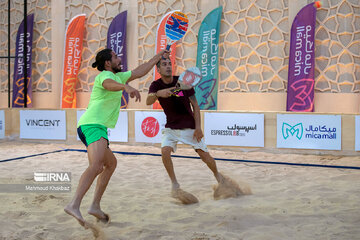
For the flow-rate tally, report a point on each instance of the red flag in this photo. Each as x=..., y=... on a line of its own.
x=72, y=60
x=160, y=45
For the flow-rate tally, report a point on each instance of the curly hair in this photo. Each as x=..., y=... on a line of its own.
x=101, y=57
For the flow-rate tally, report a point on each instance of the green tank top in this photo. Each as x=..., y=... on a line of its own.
x=104, y=105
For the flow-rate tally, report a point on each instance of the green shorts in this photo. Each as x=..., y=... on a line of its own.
x=90, y=133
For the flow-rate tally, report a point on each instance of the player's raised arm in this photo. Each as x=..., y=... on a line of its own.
x=144, y=68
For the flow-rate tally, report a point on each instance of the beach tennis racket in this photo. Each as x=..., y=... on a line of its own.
x=175, y=27
x=189, y=78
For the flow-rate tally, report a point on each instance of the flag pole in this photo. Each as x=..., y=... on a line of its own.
x=25, y=55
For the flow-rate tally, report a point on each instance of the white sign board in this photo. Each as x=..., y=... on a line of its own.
x=148, y=126
x=357, y=133
x=117, y=134
x=234, y=129
x=309, y=131
x=43, y=124
x=2, y=124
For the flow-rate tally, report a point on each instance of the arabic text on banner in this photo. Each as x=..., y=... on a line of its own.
x=208, y=60
x=19, y=66
x=300, y=92
x=160, y=45
x=72, y=60
x=116, y=40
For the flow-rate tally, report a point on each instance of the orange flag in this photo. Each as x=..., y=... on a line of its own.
x=160, y=45
x=72, y=60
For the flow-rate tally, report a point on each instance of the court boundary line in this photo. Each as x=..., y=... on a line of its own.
x=191, y=157
x=29, y=156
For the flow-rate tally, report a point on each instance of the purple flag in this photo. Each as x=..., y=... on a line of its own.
x=300, y=91
x=116, y=40
x=19, y=66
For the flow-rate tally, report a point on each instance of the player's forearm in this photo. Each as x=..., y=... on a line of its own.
x=113, y=86
x=197, y=117
x=151, y=99
x=144, y=68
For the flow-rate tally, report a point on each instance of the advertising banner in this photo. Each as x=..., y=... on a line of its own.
x=300, y=92
x=148, y=126
x=309, y=131
x=72, y=60
x=43, y=124
x=119, y=133
x=19, y=65
x=208, y=60
x=160, y=44
x=234, y=129
x=116, y=40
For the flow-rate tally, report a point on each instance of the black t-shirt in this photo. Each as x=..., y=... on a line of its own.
x=178, y=111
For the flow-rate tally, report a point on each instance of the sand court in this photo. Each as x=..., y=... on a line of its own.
x=288, y=202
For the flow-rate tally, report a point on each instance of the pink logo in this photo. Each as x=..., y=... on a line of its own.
x=303, y=101
x=150, y=127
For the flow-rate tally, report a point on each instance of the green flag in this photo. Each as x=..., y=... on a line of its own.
x=208, y=60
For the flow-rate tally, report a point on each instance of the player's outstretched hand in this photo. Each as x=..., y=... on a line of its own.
x=133, y=93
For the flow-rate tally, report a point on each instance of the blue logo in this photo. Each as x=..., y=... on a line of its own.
x=296, y=130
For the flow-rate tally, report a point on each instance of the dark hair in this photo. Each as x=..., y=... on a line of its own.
x=101, y=57
x=158, y=63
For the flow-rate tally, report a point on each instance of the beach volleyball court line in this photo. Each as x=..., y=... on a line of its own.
x=191, y=157
x=29, y=156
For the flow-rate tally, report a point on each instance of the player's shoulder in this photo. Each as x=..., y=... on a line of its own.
x=156, y=82
x=106, y=74
x=103, y=75
x=159, y=82
x=124, y=74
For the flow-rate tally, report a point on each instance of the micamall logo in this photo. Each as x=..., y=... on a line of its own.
x=296, y=130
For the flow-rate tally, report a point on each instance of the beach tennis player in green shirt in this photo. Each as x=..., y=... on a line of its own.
x=102, y=113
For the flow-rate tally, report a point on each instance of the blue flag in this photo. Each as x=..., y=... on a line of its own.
x=208, y=60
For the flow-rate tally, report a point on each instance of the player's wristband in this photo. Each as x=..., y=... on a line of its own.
x=153, y=94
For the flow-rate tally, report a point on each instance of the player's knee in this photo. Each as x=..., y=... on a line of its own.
x=166, y=151
x=114, y=164
x=202, y=154
x=97, y=168
x=199, y=151
x=111, y=164
x=205, y=156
